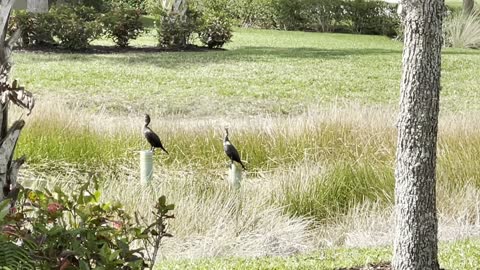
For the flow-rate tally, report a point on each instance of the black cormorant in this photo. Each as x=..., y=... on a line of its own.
x=151, y=137
x=231, y=151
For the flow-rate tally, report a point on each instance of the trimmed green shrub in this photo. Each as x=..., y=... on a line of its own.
x=36, y=28
x=323, y=15
x=289, y=14
x=122, y=24
x=216, y=31
x=255, y=13
x=98, y=5
x=177, y=25
x=76, y=26
x=216, y=24
x=373, y=17
x=175, y=31
x=354, y=16
x=139, y=5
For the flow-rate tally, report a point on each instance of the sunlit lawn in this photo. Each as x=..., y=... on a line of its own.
x=261, y=71
x=463, y=255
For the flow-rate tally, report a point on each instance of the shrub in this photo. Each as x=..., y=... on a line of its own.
x=98, y=5
x=462, y=30
x=122, y=25
x=358, y=16
x=36, y=28
x=216, y=23
x=323, y=15
x=289, y=14
x=255, y=13
x=76, y=26
x=216, y=31
x=59, y=231
x=140, y=5
x=177, y=24
x=373, y=17
x=317, y=15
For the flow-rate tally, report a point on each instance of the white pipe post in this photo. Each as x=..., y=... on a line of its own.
x=146, y=166
x=235, y=176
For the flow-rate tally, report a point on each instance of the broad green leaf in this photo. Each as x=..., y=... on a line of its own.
x=170, y=207
x=4, y=208
x=162, y=200
x=84, y=265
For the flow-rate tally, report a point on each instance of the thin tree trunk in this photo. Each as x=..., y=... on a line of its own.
x=415, y=244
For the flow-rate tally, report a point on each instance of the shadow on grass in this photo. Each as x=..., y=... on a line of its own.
x=195, y=55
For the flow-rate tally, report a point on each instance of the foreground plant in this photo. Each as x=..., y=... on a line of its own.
x=79, y=232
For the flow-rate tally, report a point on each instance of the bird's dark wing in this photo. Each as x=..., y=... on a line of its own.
x=232, y=153
x=153, y=139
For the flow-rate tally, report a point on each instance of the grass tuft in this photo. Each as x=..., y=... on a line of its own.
x=463, y=31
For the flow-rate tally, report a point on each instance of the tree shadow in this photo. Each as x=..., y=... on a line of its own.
x=194, y=55
x=308, y=52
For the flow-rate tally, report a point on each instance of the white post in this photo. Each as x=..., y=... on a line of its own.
x=146, y=166
x=235, y=176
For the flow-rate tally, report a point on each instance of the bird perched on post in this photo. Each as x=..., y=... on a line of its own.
x=231, y=151
x=151, y=137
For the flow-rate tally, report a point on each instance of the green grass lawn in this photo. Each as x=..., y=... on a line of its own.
x=261, y=71
x=321, y=164
x=462, y=255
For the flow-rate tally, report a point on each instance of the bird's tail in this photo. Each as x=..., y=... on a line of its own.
x=164, y=150
x=243, y=166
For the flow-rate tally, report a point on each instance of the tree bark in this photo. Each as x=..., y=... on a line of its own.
x=415, y=245
x=468, y=6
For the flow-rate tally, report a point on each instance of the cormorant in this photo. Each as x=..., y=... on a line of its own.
x=151, y=137
x=231, y=151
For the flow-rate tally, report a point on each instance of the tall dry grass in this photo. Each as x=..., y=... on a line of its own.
x=463, y=30
x=318, y=179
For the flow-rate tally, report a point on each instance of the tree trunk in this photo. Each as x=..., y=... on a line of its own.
x=415, y=244
x=468, y=6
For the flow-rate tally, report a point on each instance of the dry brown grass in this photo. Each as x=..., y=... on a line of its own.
x=212, y=220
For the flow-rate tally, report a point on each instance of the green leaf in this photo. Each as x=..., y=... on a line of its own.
x=4, y=208
x=114, y=255
x=162, y=200
x=170, y=207
x=104, y=252
x=97, y=195
x=84, y=265
x=58, y=190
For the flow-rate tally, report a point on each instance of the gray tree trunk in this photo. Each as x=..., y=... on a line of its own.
x=468, y=6
x=415, y=244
